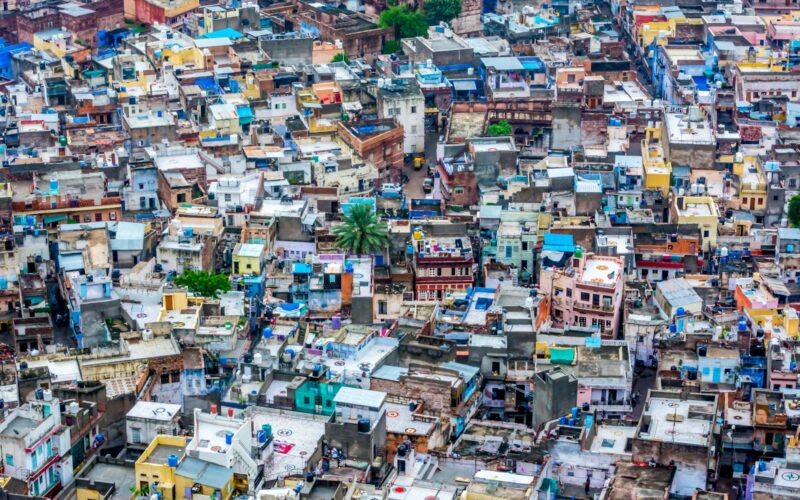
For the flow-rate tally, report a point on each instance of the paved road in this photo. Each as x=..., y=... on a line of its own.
x=413, y=189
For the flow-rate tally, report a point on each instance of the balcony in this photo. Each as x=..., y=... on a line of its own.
x=613, y=406
x=601, y=308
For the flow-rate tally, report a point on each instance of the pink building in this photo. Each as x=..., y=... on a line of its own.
x=587, y=292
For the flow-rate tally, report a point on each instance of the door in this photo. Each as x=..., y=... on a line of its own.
x=136, y=435
x=752, y=203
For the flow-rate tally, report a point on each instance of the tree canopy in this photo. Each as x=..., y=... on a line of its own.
x=794, y=211
x=499, y=128
x=341, y=57
x=362, y=232
x=204, y=283
x=407, y=23
x=437, y=11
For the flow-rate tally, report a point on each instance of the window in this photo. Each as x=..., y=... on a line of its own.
x=422, y=295
x=113, y=215
x=705, y=233
x=413, y=129
x=382, y=307
x=9, y=459
x=496, y=367
x=570, y=78
x=524, y=246
x=227, y=197
x=585, y=296
x=87, y=218
x=744, y=200
x=509, y=251
x=775, y=198
x=459, y=190
x=98, y=217
x=413, y=110
x=581, y=321
x=569, y=293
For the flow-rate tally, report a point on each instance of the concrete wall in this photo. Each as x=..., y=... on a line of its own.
x=292, y=51
x=566, y=127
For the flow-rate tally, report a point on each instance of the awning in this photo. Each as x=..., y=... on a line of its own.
x=54, y=218
x=464, y=85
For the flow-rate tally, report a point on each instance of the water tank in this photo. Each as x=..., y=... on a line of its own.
x=23, y=365
x=172, y=460
x=336, y=322
x=562, y=421
x=402, y=450
x=53, y=184
x=680, y=312
x=3, y=283
x=267, y=332
x=267, y=429
x=39, y=394
x=147, y=335
x=348, y=267
x=571, y=422
x=213, y=409
x=412, y=406
x=248, y=357
x=47, y=395
x=363, y=425
x=574, y=412
x=309, y=477
x=189, y=232
x=229, y=436
x=257, y=358
x=579, y=252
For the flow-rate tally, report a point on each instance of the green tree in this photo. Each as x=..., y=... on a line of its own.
x=361, y=232
x=794, y=211
x=499, y=128
x=204, y=283
x=341, y=57
x=406, y=23
x=437, y=11
x=391, y=46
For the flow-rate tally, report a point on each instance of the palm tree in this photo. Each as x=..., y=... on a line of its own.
x=361, y=233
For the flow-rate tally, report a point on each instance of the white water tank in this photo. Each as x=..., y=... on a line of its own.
x=147, y=335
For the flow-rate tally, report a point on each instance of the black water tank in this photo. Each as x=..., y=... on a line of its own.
x=363, y=425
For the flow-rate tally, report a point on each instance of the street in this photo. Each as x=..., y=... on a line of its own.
x=413, y=189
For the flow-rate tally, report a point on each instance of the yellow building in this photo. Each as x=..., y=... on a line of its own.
x=700, y=210
x=248, y=258
x=165, y=468
x=196, y=479
x=657, y=171
x=155, y=469
x=752, y=184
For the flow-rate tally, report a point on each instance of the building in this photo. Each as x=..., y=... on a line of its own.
x=442, y=264
x=35, y=447
x=678, y=429
x=702, y=211
x=148, y=419
x=402, y=100
x=358, y=427
x=586, y=293
x=556, y=395
x=379, y=142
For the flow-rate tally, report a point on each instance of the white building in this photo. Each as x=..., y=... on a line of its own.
x=35, y=447
x=403, y=101
x=147, y=419
x=226, y=441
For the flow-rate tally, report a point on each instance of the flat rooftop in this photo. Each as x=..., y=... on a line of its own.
x=674, y=420
x=697, y=209
x=123, y=478
x=612, y=439
x=683, y=131
x=401, y=420
x=296, y=436
x=601, y=272
x=162, y=452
